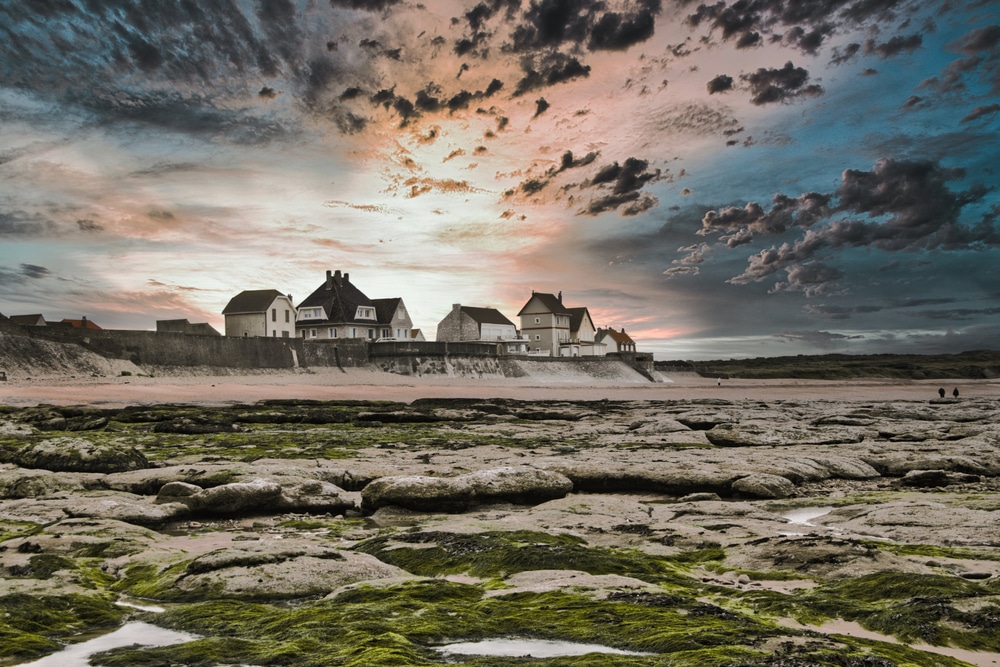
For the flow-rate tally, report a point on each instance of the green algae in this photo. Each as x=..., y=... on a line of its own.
x=498, y=554
x=910, y=607
x=402, y=624
x=33, y=625
x=16, y=529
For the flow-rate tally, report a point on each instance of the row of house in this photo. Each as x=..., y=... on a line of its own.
x=338, y=309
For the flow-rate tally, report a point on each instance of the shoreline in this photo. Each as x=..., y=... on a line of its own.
x=364, y=384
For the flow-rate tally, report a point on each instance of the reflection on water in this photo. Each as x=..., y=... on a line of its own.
x=534, y=648
x=804, y=515
x=144, y=634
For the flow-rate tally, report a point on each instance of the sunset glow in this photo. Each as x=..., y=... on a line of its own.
x=729, y=179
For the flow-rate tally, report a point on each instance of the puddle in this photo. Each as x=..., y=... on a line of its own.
x=530, y=648
x=141, y=607
x=803, y=516
x=144, y=634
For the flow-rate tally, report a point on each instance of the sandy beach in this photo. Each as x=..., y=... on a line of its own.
x=366, y=384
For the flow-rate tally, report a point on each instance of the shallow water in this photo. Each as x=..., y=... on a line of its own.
x=803, y=516
x=144, y=634
x=534, y=648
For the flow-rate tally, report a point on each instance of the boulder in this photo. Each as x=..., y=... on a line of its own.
x=299, y=494
x=279, y=570
x=236, y=498
x=79, y=455
x=514, y=484
x=763, y=485
x=26, y=483
x=125, y=507
x=768, y=434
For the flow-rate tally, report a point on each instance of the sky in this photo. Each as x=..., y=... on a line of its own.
x=731, y=179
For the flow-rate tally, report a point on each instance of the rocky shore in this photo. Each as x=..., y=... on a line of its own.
x=710, y=531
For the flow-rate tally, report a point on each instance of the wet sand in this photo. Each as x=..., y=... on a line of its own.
x=373, y=385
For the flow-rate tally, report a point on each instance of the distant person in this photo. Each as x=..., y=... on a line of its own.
x=719, y=383
x=941, y=392
x=955, y=392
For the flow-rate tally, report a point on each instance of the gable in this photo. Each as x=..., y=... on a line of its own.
x=486, y=316
x=252, y=301
x=543, y=302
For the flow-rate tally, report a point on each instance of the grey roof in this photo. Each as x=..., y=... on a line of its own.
x=576, y=317
x=251, y=301
x=385, y=309
x=486, y=315
x=27, y=320
x=550, y=301
x=339, y=299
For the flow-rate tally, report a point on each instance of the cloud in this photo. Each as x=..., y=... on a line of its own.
x=894, y=46
x=552, y=23
x=981, y=111
x=720, y=84
x=34, y=271
x=22, y=223
x=548, y=70
x=770, y=85
x=895, y=206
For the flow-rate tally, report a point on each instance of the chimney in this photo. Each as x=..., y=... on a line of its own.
x=347, y=278
x=560, y=296
x=329, y=279
x=456, y=307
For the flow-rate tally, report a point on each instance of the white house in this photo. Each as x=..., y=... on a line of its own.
x=265, y=312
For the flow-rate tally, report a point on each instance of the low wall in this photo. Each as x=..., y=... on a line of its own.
x=152, y=349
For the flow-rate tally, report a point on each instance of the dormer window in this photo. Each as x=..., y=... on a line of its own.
x=365, y=313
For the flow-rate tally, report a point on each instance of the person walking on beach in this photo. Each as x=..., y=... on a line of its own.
x=941, y=392
x=955, y=392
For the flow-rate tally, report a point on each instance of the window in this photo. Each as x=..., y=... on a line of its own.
x=312, y=333
x=274, y=314
x=537, y=337
x=333, y=332
x=365, y=313
x=371, y=334
x=287, y=314
x=538, y=320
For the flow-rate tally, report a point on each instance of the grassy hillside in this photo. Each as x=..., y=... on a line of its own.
x=980, y=364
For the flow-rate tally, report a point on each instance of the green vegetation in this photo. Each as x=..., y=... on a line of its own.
x=968, y=365
x=32, y=625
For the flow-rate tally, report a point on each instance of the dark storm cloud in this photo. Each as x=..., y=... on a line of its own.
x=770, y=85
x=894, y=46
x=618, y=185
x=188, y=114
x=801, y=25
x=720, y=84
x=845, y=55
x=87, y=225
x=895, y=206
x=625, y=182
x=548, y=70
x=34, y=271
x=831, y=312
x=22, y=223
x=981, y=111
x=552, y=23
x=365, y=5
x=981, y=48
